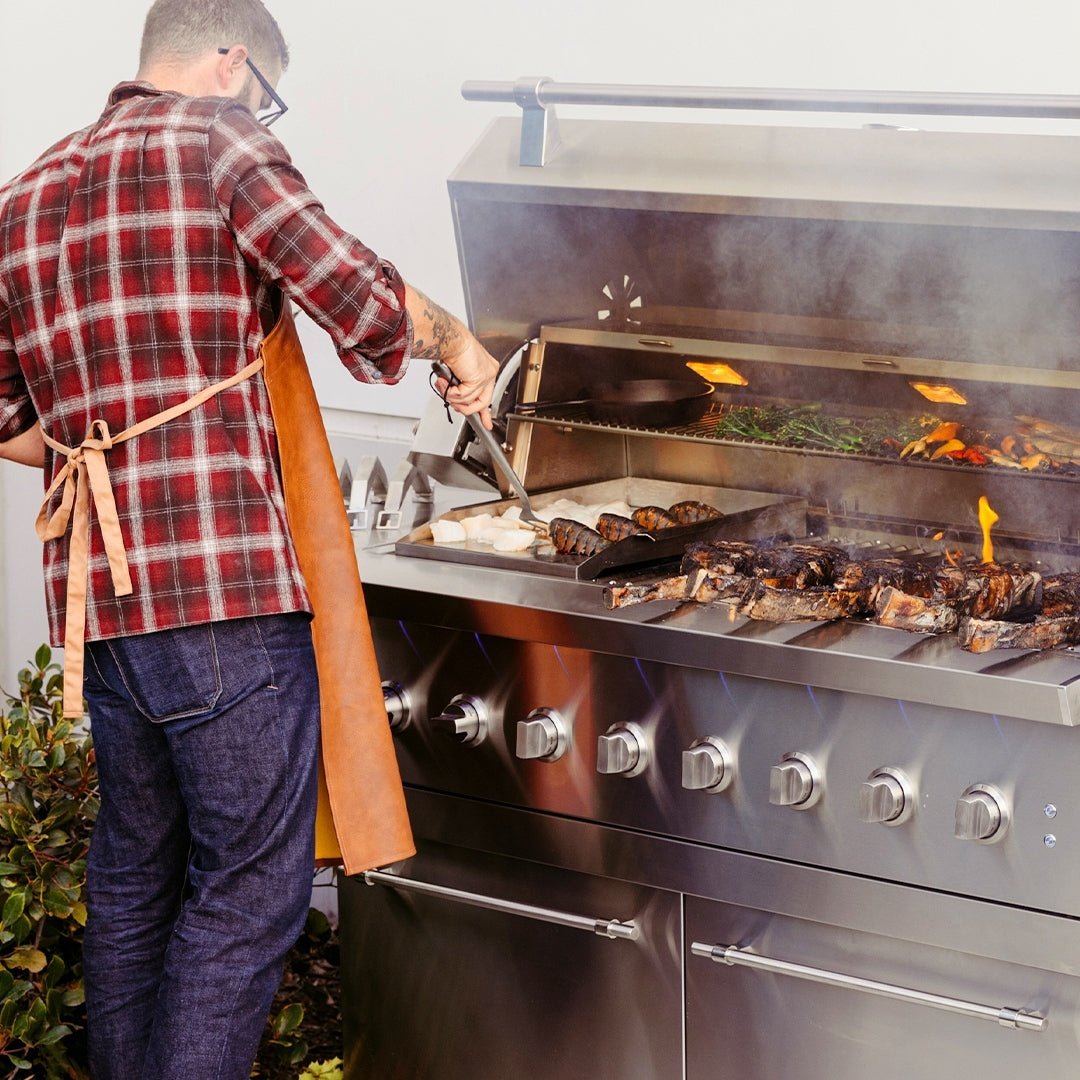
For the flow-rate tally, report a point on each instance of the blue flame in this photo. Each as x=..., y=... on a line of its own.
x=813, y=698
x=480, y=645
x=558, y=656
x=904, y=716
x=727, y=689
x=645, y=679
x=405, y=634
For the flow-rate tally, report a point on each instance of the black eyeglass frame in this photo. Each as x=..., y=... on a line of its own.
x=271, y=93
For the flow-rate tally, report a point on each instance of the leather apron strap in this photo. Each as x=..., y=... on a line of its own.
x=85, y=477
x=362, y=792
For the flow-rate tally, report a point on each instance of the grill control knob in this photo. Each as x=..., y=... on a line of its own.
x=982, y=814
x=464, y=719
x=707, y=766
x=886, y=797
x=795, y=782
x=541, y=736
x=398, y=705
x=622, y=751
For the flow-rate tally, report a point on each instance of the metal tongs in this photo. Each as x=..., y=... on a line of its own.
x=528, y=515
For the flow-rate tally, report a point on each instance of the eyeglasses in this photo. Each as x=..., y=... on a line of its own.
x=280, y=108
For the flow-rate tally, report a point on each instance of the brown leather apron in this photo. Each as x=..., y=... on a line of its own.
x=362, y=821
x=362, y=790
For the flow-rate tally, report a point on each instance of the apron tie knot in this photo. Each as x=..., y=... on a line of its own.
x=85, y=480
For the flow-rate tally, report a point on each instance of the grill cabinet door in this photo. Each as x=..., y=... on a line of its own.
x=444, y=990
x=750, y=1024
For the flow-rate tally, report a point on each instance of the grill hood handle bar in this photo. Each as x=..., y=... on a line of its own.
x=537, y=97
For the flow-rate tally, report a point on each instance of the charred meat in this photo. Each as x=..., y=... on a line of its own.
x=798, y=566
x=768, y=603
x=719, y=557
x=1061, y=595
x=990, y=590
x=916, y=614
x=672, y=588
x=873, y=575
x=982, y=635
x=573, y=538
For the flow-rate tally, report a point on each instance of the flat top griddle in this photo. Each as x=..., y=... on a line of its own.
x=748, y=515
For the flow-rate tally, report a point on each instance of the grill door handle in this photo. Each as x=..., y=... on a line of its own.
x=1005, y=1017
x=609, y=928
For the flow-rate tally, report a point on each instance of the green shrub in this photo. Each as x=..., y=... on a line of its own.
x=48, y=802
x=323, y=1070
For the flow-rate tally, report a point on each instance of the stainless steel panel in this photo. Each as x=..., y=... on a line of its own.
x=849, y=655
x=958, y=178
x=446, y=991
x=942, y=921
x=848, y=736
x=837, y=1033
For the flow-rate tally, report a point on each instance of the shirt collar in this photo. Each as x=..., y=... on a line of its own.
x=132, y=89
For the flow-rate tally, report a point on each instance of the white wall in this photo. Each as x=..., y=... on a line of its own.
x=377, y=122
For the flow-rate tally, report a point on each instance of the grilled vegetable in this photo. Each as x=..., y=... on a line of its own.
x=953, y=446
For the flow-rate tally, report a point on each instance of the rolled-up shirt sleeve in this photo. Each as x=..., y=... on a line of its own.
x=17, y=413
x=283, y=230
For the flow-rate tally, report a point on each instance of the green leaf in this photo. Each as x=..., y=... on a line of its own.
x=43, y=656
x=14, y=907
x=8, y=868
x=289, y=1019
x=74, y=997
x=7, y=981
x=26, y=957
x=54, y=1034
x=55, y=969
x=78, y=913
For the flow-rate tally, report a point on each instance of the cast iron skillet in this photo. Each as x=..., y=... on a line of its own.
x=637, y=402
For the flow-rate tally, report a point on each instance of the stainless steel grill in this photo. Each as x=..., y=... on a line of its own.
x=831, y=848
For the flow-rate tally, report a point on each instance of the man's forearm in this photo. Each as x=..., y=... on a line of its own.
x=26, y=449
x=437, y=335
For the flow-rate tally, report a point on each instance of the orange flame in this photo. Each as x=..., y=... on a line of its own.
x=987, y=519
x=953, y=557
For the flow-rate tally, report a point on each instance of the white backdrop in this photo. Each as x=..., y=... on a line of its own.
x=376, y=120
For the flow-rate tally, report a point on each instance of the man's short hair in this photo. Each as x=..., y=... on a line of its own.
x=184, y=29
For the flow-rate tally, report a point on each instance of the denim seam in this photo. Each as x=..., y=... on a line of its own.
x=94, y=665
x=272, y=685
x=187, y=712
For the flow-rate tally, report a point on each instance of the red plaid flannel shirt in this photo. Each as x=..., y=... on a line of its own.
x=140, y=261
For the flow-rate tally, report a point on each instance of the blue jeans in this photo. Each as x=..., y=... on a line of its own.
x=200, y=865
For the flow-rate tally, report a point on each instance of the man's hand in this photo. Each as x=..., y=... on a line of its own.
x=26, y=449
x=437, y=335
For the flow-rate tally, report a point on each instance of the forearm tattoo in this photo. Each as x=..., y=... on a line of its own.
x=445, y=334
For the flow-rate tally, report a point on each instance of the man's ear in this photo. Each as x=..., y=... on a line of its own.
x=231, y=69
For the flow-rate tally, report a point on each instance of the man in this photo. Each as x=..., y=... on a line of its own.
x=142, y=262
